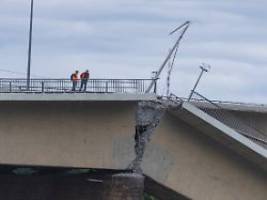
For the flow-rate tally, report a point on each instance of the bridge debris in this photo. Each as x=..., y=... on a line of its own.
x=147, y=119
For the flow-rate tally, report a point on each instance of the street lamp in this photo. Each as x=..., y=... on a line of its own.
x=204, y=68
x=30, y=49
x=184, y=28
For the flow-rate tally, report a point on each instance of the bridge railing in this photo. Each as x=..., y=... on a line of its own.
x=216, y=110
x=65, y=86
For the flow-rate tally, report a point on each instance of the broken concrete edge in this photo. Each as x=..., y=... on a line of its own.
x=226, y=105
x=32, y=97
x=125, y=186
x=148, y=117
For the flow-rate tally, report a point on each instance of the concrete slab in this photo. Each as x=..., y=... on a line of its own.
x=68, y=134
x=222, y=133
x=76, y=97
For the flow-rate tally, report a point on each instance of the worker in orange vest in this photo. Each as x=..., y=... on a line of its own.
x=74, y=78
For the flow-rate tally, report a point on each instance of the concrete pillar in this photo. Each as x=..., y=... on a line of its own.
x=126, y=187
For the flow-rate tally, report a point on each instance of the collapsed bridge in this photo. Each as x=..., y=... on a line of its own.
x=186, y=150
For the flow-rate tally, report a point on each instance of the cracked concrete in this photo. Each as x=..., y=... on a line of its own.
x=147, y=119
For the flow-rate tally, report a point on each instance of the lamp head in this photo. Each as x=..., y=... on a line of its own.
x=205, y=67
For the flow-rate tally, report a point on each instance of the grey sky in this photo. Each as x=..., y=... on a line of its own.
x=129, y=39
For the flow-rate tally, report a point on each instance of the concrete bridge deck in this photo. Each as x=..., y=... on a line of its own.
x=99, y=131
x=67, y=97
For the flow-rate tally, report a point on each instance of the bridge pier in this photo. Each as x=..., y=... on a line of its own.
x=128, y=186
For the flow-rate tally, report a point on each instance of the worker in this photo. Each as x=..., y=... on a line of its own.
x=74, y=78
x=84, y=79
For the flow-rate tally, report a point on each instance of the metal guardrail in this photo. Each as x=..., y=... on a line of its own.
x=228, y=118
x=65, y=86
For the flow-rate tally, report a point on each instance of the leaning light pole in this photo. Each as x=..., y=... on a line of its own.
x=204, y=68
x=184, y=28
x=30, y=49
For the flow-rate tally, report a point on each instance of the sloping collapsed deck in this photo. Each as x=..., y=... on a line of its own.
x=219, y=131
x=196, y=155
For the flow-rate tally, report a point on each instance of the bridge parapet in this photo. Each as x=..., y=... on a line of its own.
x=137, y=86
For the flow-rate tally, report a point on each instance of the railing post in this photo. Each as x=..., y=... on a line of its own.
x=155, y=85
x=62, y=86
x=106, y=86
x=136, y=87
x=42, y=86
x=10, y=86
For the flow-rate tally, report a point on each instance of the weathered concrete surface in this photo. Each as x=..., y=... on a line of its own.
x=126, y=187
x=187, y=161
x=73, y=134
x=11, y=97
x=224, y=134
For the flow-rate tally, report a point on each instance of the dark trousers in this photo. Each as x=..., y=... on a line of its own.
x=83, y=85
x=74, y=85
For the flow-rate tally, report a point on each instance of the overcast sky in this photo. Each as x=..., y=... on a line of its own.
x=129, y=39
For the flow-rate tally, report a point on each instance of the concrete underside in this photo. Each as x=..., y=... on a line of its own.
x=48, y=183
x=49, y=188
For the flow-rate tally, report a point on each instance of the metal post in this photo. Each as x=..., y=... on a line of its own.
x=42, y=86
x=106, y=86
x=10, y=86
x=154, y=75
x=155, y=87
x=30, y=48
x=204, y=68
